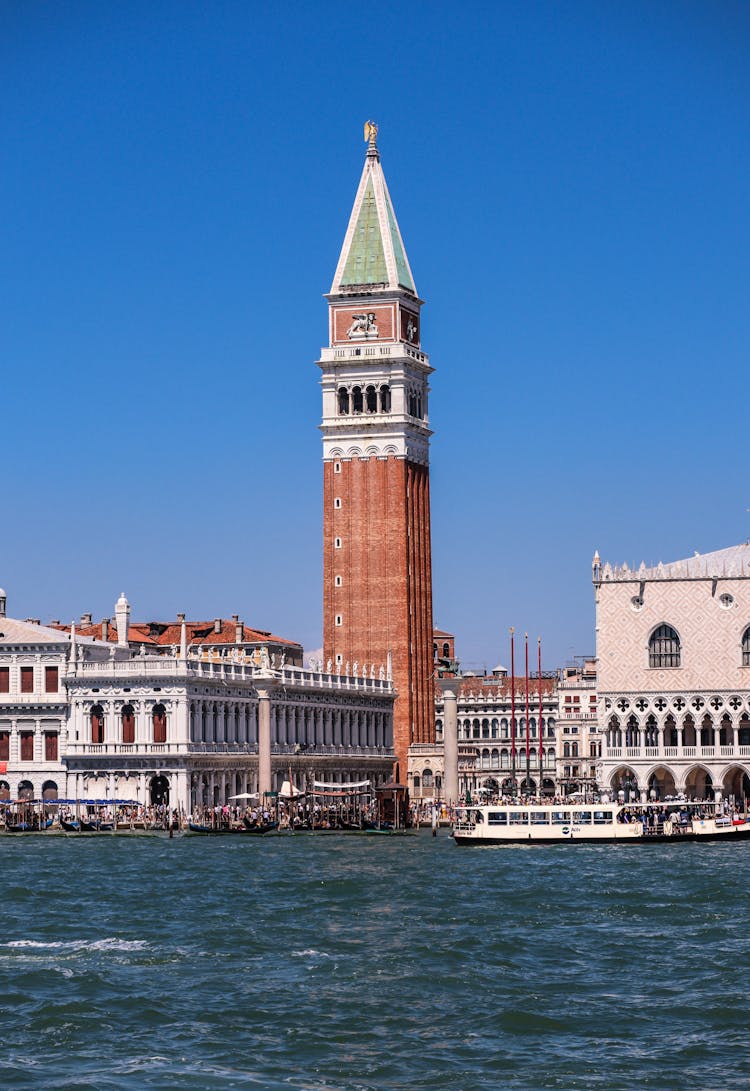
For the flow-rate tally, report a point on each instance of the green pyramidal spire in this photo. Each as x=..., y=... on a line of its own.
x=373, y=254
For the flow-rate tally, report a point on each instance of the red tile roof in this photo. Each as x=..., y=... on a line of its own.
x=491, y=687
x=166, y=633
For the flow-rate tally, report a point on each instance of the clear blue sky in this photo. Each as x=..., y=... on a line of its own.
x=571, y=181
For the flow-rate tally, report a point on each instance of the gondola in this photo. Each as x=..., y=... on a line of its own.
x=96, y=826
x=199, y=827
x=28, y=827
x=257, y=830
x=70, y=825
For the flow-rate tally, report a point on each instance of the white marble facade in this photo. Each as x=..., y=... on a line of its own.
x=82, y=719
x=673, y=648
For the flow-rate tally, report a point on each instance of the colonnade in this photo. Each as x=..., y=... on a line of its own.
x=114, y=710
x=689, y=735
x=322, y=725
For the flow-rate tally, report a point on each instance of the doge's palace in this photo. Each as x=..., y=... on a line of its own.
x=673, y=648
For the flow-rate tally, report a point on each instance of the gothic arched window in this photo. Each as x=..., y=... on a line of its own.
x=664, y=647
x=746, y=647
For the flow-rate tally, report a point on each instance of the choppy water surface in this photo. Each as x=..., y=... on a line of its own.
x=329, y=962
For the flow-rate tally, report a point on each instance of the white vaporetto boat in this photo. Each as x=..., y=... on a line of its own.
x=595, y=823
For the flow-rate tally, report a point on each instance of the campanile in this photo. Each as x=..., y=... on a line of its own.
x=377, y=568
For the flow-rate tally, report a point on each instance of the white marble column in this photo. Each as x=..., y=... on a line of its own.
x=264, y=741
x=449, y=689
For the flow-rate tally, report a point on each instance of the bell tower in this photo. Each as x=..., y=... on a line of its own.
x=377, y=568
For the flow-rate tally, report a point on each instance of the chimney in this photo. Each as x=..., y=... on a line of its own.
x=122, y=613
x=85, y=619
x=180, y=619
x=105, y=628
x=3, y=602
x=239, y=627
x=55, y=621
x=217, y=624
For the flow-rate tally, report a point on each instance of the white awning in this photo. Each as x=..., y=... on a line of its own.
x=354, y=786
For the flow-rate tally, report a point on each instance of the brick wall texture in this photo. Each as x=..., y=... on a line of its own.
x=385, y=597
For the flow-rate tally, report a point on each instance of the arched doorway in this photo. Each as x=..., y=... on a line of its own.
x=528, y=786
x=624, y=780
x=159, y=790
x=4, y=789
x=736, y=783
x=49, y=791
x=699, y=783
x=490, y=785
x=548, y=787
x=25, y=790
x=661, y=783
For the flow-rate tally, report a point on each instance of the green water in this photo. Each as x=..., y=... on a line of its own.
x=327, y=962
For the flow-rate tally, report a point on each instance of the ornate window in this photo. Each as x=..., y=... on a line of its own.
x=97, y=724
x=664, y=647
x=159, y=722
x=128, y=724
x=746, y=647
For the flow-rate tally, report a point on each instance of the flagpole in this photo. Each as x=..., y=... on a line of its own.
x=541, y=741
x=513, y=707
x=528, y=738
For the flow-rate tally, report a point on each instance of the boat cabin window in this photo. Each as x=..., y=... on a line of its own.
x=560, y=818
x=602, y=818
x=497, y=818
x=583, y=818
x=518, y=818
x=539, y=818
